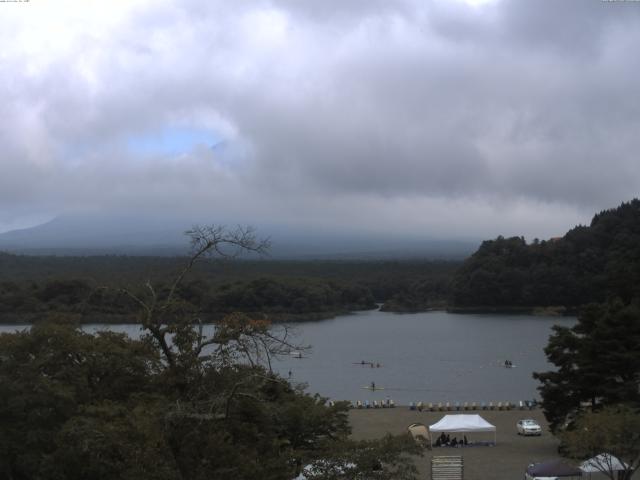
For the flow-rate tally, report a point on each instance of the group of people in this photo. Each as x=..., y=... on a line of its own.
x=445, y=441
x=376, y=365
x=508, y=363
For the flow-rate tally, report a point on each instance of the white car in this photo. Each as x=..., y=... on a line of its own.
x=528, y=427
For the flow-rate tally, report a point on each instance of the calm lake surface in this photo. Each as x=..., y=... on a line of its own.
x=430, y=357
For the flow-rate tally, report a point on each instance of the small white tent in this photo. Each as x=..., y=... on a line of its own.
x=604, y=463
x=463, y=424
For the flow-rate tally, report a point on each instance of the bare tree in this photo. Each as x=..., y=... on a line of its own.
x=179, y=333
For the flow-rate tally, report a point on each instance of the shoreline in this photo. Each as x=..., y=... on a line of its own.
x=538, y=311
x=289, y=317
x=131, y=319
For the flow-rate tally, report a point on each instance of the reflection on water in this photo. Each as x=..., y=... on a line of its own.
x=433, y=357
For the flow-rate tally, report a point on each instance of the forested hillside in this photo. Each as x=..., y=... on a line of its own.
x=589, y=264
x=32, y=288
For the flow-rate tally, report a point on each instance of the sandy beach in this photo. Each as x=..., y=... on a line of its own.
x=505, y=461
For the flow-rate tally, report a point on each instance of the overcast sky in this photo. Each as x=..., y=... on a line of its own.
x=429, y=118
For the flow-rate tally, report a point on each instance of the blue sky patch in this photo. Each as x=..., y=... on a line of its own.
x=171, y=141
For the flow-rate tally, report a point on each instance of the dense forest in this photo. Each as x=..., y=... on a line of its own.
x=589, y=264
x=34, y=288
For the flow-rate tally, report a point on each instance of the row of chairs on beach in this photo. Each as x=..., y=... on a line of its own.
x=388, y=403
x=457, y=406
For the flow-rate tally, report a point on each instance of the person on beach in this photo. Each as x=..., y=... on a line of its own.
x=373, y=385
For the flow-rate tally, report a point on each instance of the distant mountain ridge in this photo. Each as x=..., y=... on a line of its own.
x=84, y=234
x=589, y=264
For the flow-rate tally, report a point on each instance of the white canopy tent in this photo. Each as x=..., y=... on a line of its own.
x=462, y=424
x=603, y=463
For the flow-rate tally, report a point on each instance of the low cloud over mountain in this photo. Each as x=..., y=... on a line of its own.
x=430, y=118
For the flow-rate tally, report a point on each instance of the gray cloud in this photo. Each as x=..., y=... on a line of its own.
x=435, y=117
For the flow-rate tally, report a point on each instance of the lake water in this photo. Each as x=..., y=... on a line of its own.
x=430, y=357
